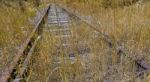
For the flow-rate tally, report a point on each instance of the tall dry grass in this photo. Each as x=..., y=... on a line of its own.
x=127, y=26
x=14, y=29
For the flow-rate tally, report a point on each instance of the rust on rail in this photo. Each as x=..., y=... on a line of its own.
x=6, y=72
x=106, y=38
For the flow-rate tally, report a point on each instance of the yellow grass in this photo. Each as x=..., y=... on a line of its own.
x=14, y=29
x=126, y=24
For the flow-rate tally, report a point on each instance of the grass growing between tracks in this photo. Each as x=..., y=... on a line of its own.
x=127, y=26
x=92, y=66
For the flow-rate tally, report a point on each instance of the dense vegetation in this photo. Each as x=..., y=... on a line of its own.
x=127, y=22
x=14, y=27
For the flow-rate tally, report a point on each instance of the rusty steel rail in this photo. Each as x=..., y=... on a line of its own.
x=26, y=62
x=73, y=14
x=27, y=48
x=106, y=38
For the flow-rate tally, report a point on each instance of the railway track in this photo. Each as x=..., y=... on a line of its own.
x=59, y=16
x=8, y=74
